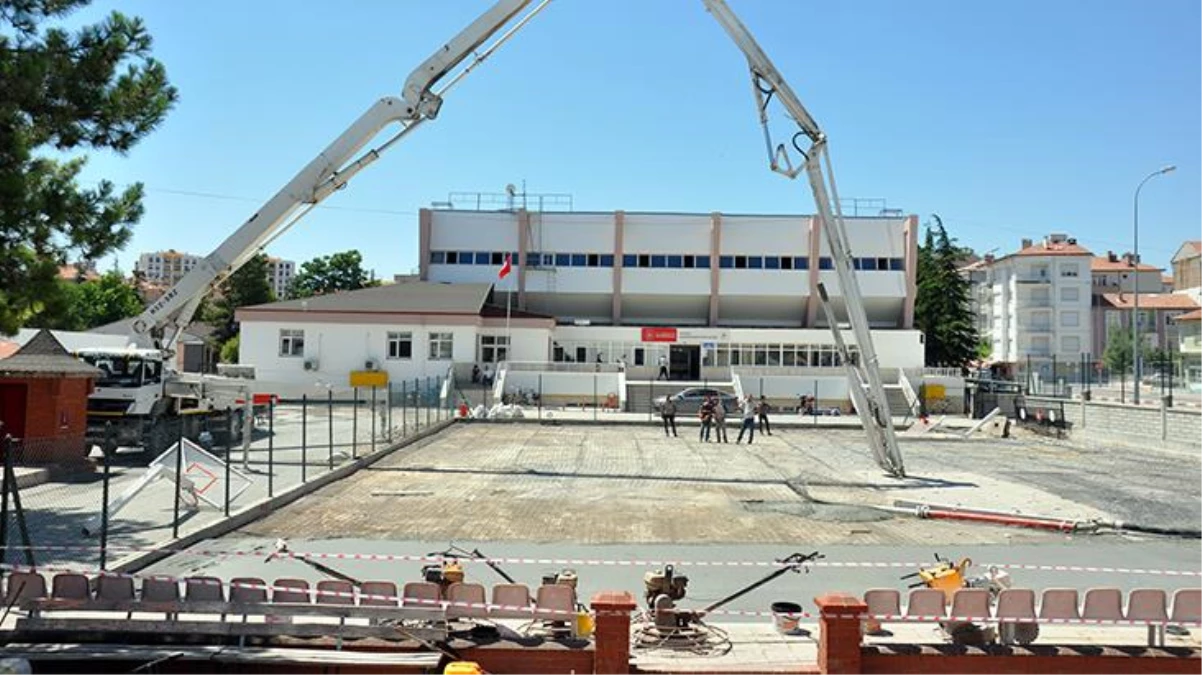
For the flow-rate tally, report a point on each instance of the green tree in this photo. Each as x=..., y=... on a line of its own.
x=229, y=350
x=248, y=286
x=330, y=274
x=984, y=348
x=62, y=93
x=92, y=303
x=942, y=309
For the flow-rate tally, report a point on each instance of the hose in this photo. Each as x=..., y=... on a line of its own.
x=1151, y=529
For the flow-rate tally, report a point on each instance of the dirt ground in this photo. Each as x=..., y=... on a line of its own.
x=630, y=484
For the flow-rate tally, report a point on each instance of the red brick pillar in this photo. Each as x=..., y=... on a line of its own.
x=839, y=632
x=612, y=652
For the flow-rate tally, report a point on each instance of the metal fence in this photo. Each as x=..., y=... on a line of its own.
x=1088, y=377
x=66, y=503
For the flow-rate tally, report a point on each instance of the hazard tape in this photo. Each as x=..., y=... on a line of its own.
x=594, y=562
x=933, y=618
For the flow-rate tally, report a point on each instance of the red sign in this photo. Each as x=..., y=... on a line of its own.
x=659, y=335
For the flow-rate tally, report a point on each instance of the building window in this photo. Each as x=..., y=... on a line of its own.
x=630, y=260
x=1070, y=319
x=607, y=260
x=563, y=259
x=1070, y=294
x=824, y=263
x=1070, y=343
x=726, y=262
x=644, y=260
x=400, y=346
x=786, y=262
x=702, y=261
x=292, y=342
x=436, y=258
x=801, y=263
x=494, y=348
x=594, y=260
x=466, y=257
x=659, y=261
x=675, y=261
x=897, y=265
x=740, y=262
x=771, y=262
x=755, y=262
x=640, y=356
x=867, y=264
x=441, y=346
x=1068, y=270
x=578, y=260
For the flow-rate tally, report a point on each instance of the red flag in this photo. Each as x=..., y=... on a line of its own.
x=506, y=268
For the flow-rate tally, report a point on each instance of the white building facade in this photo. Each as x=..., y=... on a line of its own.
x=280, y=274
x=1039, y=302
x=165, y=267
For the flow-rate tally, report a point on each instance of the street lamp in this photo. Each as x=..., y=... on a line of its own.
x=1135, y=343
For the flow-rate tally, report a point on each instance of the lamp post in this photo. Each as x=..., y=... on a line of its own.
x=1135, y=342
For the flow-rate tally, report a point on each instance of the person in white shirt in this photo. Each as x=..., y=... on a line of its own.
x=749, y=412
x=663, y=368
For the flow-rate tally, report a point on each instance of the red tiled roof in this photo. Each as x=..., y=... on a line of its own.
x=1150, y=301
x=1195, y=315
x=1100, y=264
x=8, y=348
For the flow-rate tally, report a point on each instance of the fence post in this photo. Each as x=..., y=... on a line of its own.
x=404, y=411
x=271, y=446
x=373, y=420
x=540, y=396
x=651, y=402
x=6, y=448
x=179, y=481
x=1172, y=367
x=355, y=423
x=424, y=394
x=304, y=437
x=10, y=482
x=229, y=449
x=109, y=447
x=594, y=397
x=330, y=424
x=814, y=404
x=388, y=409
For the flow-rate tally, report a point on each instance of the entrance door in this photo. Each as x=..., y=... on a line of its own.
x=685, y=362
x=12, y=409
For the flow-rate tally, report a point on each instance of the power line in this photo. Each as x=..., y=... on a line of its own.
x=237, y=198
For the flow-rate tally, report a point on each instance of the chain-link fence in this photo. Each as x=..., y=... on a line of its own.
x=67, y=503
x=1089, y=377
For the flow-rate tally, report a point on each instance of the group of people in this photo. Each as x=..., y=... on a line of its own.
x=712, y=414
x=484, y=377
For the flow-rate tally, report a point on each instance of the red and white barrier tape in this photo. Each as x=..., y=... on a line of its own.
x=594, y=562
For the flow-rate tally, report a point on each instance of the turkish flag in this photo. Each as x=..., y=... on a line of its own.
x=506, y=268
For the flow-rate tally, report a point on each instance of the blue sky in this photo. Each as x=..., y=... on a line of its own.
x=1009, y=120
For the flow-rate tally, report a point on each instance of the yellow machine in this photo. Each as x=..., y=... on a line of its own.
x=945, y=576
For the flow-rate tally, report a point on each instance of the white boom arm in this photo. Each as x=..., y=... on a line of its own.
x=767, y=82
x=160, y=325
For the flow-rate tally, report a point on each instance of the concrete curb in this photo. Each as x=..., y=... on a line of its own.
x=253, y=512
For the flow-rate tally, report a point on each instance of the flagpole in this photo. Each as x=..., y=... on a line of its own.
x=508, y=338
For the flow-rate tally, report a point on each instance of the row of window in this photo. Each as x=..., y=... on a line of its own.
x=724, y=354
x=662, y=261
x=398, y=345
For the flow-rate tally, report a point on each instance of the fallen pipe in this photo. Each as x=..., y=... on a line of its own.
x=905, y=504
x=1016, y=521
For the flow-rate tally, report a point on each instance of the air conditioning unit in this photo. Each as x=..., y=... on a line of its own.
x=371, y=364
x=310, y=364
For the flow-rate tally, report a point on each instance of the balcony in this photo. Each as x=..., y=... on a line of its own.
x=1036, y=327
x=1033, y=279
x=1035, y=303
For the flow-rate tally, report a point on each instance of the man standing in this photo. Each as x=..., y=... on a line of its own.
x=748, y=421
x=706, y=413
x=720, y=422
x=765, y=428
x=663, y=368
x=668, y=412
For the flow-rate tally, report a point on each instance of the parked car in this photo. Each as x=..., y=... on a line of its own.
x=689, y=400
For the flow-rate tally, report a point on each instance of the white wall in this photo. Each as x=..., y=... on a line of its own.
x=765, y=235
x=687, y=234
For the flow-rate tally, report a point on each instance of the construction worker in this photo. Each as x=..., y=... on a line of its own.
x=749, y=408
x=762, y=409
x=668, y=412
x=706, y=413
x=720, y=422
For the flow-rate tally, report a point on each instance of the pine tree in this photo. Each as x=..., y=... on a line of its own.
x=63, y=92
x=942, y=309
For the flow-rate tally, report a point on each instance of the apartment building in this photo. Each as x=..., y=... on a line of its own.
x=161, y=270
x=1187, y=270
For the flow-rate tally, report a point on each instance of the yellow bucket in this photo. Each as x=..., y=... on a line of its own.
x=584, y=624
x=463, y=668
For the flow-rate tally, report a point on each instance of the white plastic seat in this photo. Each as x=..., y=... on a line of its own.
x=1016, y=603
x=466, y=600
x=1103, y=604
x=555, y=602
x=511, y=601
x=378, y=594
x=424, y=594
x=1187, y=606
x=927, y=603
x=971, y=603
x=883, y=601
x=1059, y=604
x=1150, y=605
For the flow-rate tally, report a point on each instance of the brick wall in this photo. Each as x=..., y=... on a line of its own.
x=56, y=418
x=1175, y=427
